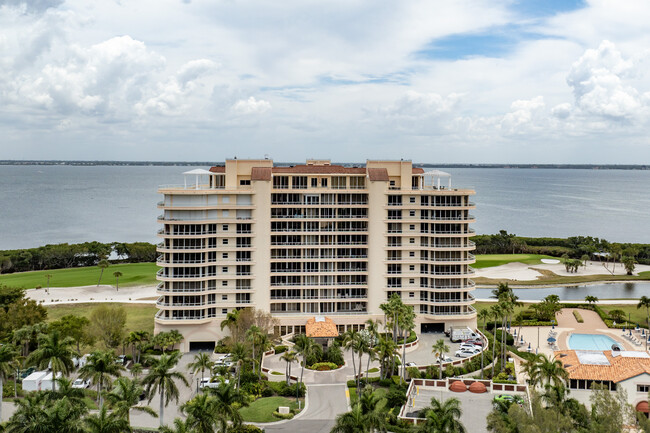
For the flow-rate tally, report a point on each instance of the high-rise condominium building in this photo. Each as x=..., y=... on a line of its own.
x=313, y=240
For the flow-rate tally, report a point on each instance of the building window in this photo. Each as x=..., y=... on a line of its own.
x=411, y=280
x=411, y=253
x=224, y=297
x=314, y=182
x=224, y=269
x=225, y=242
x=412, y=213
x=224, y=311
x=224, y=283
x=224, y=255
x=299, y=182
x=411, y=199
x=225, y=213
x=411, y=240
x=643, y=388
x=323, y=183
x=225, y=199
x=224, y=227
x=411, y=294
x=411, y=267
x=412, y=227
x=245, y=182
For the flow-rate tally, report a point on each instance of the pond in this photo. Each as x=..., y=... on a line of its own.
x=577, y=293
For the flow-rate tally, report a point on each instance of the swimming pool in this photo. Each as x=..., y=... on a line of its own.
x=590, y=342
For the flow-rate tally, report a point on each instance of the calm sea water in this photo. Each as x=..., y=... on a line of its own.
x=577, y=293
x=52, y=204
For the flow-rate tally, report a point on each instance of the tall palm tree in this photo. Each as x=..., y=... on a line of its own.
x=103, y=264
x=644, y=302
x=227, y=401
x=239, y=356
x=374, y=410
x=385, y=351
x=201, y=363
x=117, y=275
x=105, y=422
x=180, y=426
x=264, y=343
x=495, y=312
x=55, y=352
x=253, y=335
x=48, y=276
x=38, y=413
x=407, y=323
x=7, y=367
x=202, y=415
x=350, y=341
x=289, y=357
x=161, y=378
x=591, y=299
x=484, y=315
x=439, y=349
x=372, y=328
x=231, y=321
x=443, y=417
x=305, y=346
x=544, y=371
x=125, y=396
x=100, y=365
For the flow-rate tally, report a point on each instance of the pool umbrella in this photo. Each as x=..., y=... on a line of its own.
x=515, y=332
x=522, y=338
x=551, y=340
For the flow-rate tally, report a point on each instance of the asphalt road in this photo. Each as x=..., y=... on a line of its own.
x=324, y=403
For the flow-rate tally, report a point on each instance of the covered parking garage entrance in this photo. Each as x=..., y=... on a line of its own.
x=431, y=328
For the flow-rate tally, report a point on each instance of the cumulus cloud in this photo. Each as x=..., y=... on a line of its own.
x=251, y=106
x=418, y=105
x=598, y=86
x=524, y=115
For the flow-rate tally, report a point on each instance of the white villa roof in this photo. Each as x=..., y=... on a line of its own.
x=198, y=171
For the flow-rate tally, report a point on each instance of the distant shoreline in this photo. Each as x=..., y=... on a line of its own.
x=426, y=165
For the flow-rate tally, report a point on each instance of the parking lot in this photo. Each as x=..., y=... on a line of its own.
x=422, y=355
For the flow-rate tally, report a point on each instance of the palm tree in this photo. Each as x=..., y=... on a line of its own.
x=231, y=322
x=350, y=342
x=103, y=264
x=53, y=352
x=65, y=390
x=180, y=426
x=161, y=379
x=136, y=370
x=443, y=417
x=372, y=328
x=439, y=349
x=305, y=346
x=374, y=410
x=407, y=323
x=644, y=302
x=99, y=366
x=495, y=312
x=253, y=335
x=483, y=315
x=48, y=276
x=38, y=413
x=105, y=422
x=385, y=351
x=227, y=401
x=125, y=396
x=7, y=367
x=117, y=275
x=201, y=363
x=202, y=416
x=591, y=299
x=289, y=357
x=351, y=422
x=264, y=343
x=239, y=357
x=544, y=371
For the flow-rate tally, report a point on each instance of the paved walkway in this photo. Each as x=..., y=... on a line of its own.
x=324, y=403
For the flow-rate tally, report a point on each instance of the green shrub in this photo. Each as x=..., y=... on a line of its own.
x=578, y=317
x=8, y=389
x=268, y=391
x=414, y=373
x=352, y=383
x=282, y=415
x=382, y=382
x=509, y=338
x=245, y=428
x=280, y=349
x=323, y=366
x=334, y=354
x=396, y=397
x=397, y=380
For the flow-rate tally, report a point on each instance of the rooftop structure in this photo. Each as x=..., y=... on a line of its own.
x=314, y=239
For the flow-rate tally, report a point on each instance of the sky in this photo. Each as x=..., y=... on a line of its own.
x=458, y=81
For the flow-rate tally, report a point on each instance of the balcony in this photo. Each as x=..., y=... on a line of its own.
x=470, y=298
x=160, y=317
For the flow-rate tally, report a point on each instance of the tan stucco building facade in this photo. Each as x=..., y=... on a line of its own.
x=313, y=240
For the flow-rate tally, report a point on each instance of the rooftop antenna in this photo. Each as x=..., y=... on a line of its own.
x=266, y=156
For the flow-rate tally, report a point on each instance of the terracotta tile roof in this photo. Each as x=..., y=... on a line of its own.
x=620, y=367
x=378, y=174
x=261, y=173
x=417, y=170
x=218, y=169
x=323, y=327
x=320, y=169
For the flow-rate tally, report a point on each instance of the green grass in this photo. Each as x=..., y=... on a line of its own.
x=139, y=317
x=490, y=260
x=379, y=392
x=133, y=274
x=261, y=410
x=373, y=370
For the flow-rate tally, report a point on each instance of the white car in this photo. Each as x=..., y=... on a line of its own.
x=81, y=384
x=209, y=383
x=467, y=346
x=466, y=353
x=444, y=359
x=411, y=364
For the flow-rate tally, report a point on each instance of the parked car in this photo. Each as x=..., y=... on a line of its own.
x=469, y=346
x=121, y=360
x=474, y=341
x=466, y=352
x=211, y=382
x=509, y=398
x=81, y=384
x=444, y=359
x=224, y=356
x=411, y=364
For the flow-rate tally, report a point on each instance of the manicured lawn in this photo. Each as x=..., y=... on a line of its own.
x=139, y=317
x=490, y=260
x=261, y=410
x=133, y=274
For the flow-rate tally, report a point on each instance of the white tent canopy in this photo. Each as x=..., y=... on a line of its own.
x=432, y=178
x=197, y=172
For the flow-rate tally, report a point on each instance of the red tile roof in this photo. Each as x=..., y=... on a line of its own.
x=320, y=169
x=218, y=169
x=378, y=174
x=321, y=329
x=417, y=170
x=261, y=173
x=620, y=368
